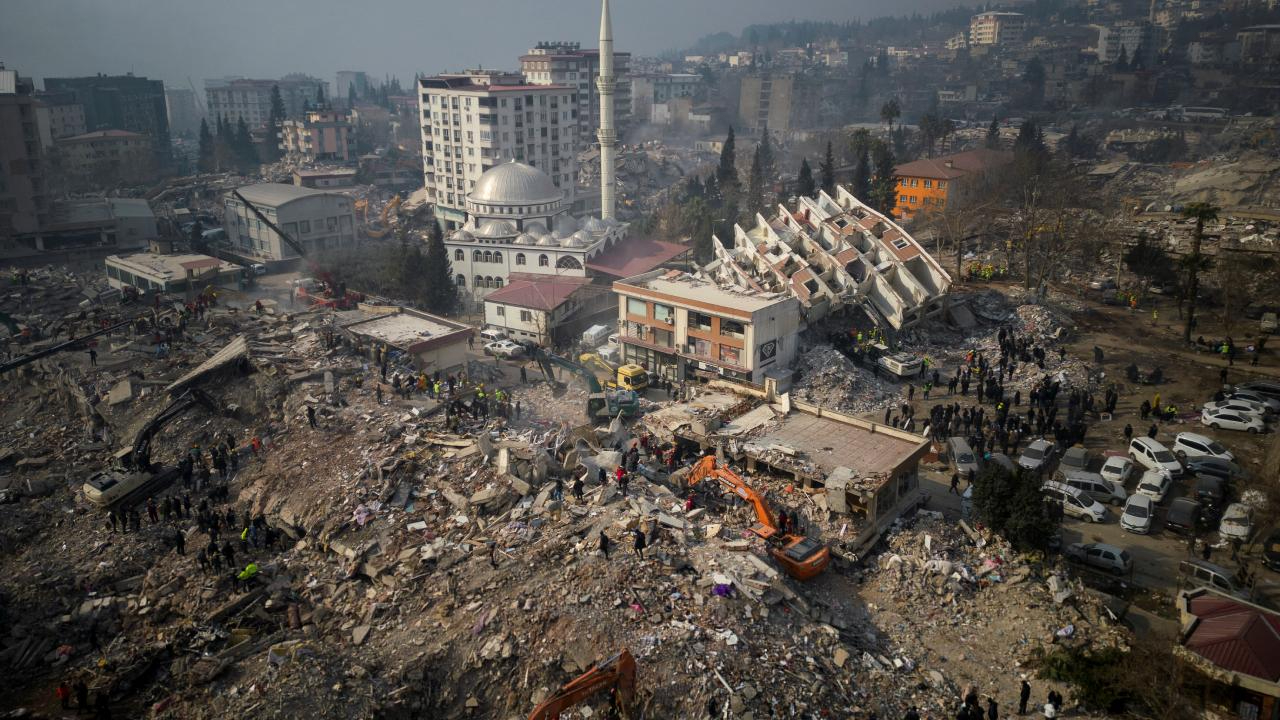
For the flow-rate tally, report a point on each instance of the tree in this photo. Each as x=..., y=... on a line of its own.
x=1194, y=263
x=1011, y=504
x=1033, y=79
x=1150, y=262
x=275, y=121
x=437, y=279
x=827, y=171
x=755, y=184
x=1139, y=58
x=320, y=102
x=890, y=111
x=993, y=133
x=351, y=95
x=862, y=174
x=1122, y=62
x=805, y=185
x=727, y=173
x=245, y=152
x=205, y=161
x=884, y=187
x=768, y=164
x=1029, y=151
x=928, y=125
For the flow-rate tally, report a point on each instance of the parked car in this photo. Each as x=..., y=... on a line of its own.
x=1154, y=456
x=1189, y=445
x=1269, y=388
x=490, y=335
x=963, y=457
x=1101, y=556
x=1117, y=469
x=1102, y=284
x=1227, y=420
x=1239, y=407
x=1155, y=485
x=1218, y=467
x=1036, y=455
x=1254, y=397
x=504, y=349
x=1183, y=516
x=1210, y=491
x=1074, y=502
x=1271, y=550
x=1202, y=573
x=1138, y=511
x=1075, y=458
x=1236, y=523
x=1093, y=485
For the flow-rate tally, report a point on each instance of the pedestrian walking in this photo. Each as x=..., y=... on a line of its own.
x=1151, y=431
x=639, y=542
x=955, y=483
x=577, y=488
x=1128, y=433
x=93, y=357
x=1024, y=696
x=153, y=512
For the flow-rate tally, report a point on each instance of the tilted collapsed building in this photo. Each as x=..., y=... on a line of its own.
x=832, y=253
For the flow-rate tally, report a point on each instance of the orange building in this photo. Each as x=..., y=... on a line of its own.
x=926, y=185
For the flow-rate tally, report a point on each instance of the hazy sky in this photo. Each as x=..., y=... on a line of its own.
x=174, y=39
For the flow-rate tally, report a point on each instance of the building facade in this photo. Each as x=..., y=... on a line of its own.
x=477, y=120
x=323, y=135
x=1260, y=45
x=348, y=80
x=250, y=100
x=105, y=158
x=1000, y=29
x=318, y=220
x=1131, y=37
x=59, y=116
x=930, y=184
x=180, y=274
x=535, y=308
x=782, y=102
x=649, y=91
x=121, y=102
x=682, y=327
x=24, y=200
x=566, y=63
x=184, y=116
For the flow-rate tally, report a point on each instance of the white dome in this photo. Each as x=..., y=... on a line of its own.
x=496, y=229
x=463, y=236
x=565, y=226
x=535, y=229
x=594, y=225
x=547, y=241
x=514, y=183
x=523, y=239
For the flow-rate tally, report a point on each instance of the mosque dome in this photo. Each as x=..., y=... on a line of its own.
x=565, y=226
x=594, y=225
x=496, y=229
x=515, y=183
x=463, y=236
x=523, y=239
x=547, y=241
x=535, y=229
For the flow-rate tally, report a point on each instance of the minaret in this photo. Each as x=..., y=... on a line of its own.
x=605, y=133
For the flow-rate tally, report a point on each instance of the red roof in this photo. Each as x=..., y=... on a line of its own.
x=953, y=166
x=1235, y=636
x=634, y=256
x=548, y=292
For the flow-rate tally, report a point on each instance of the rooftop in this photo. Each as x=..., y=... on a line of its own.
x=635, y=256
x=171, y=267
x=685, y=289
x=406, y=329
x=542, y=293
x=515, y=183
x=1234, y=636
x=866, y=448
x=275, y=194
x=953, y=166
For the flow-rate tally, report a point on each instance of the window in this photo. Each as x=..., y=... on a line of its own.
x=729, y=355
x=519, y=258
x=501, y=310
x=698, y=321
x=304, y=226
x=914, y=199
x=459, y=255
x=497, y=282
x=476, y=256
x=462, y=281
x=732, y=328
x=928, y=183
x=942, y=184
x=664, y=313
x=526, y=316
x=903, y=182
x=901, y=243
x=637, y=307
x=479, y=282
x=665, y=338
x=913, y=182
x=544, y=261
x=902, y=199
x=488, y=256
x=568, y=263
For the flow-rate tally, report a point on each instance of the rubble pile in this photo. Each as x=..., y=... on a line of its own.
x=828, y=378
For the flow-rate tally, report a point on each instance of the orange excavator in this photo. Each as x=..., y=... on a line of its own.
x=617, y=673
x=802, y=557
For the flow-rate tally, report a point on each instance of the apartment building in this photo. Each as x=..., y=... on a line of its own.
x=250, y=100
x=348, y=80
x=323, y=135
x=316, y=219
x=105, y=158
x=650, y=90
x=681, y=326
x=783, y=102
x=184, y=116
x=930, y=184
x=58, y=116
x=566, y=63
x=474, y=121
x=24, y=204
x=121, y=102
x=1133, y=38
x=1000, y=29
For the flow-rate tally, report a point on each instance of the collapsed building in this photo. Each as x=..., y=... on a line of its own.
x=833, y=253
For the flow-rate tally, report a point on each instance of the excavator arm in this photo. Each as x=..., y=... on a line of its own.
x=706, y=468
x=617, y=673
x=140, y=455
x=546, y=360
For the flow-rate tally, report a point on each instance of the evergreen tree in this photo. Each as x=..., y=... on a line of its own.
x=351, y=95
x=993, y=134
x=1138, y=62
x=205, y=161
x=755, y=184
x=884, y=187
x=1122, y=62
x=437, y=278
x=320, y=97
x=862, y=174
x=275, y=121
x=767, y=161
x=827, y=171
x=890, y=111
x=805, y=185
x=727, y=173
x=246, y=153
x=711, y=190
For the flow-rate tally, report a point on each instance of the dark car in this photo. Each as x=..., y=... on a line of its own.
x=1184, y=516
x=1210, y=490
x=1271, y=550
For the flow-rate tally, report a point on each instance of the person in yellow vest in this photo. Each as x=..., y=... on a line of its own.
x=245, y=576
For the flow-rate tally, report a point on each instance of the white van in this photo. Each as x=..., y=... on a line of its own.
x=1093, y=485
x=489, y=335
x=594, y=335
x=1074, y=502
x=1154, y=456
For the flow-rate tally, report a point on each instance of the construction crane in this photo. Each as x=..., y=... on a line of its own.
x=617, y=674
x=133, y=476
x=802, y=557
x=297, y=247
x=600, y=402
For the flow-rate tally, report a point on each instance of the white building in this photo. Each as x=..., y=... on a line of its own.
x=251, y=99
x=180, y=274
x=566, y=63
x=648, y=91
x=535, y=307
x=517, y=221
x=682, y=327
x=1132, y=37
x=475, y=121
x=997, y=28
x=316, y=219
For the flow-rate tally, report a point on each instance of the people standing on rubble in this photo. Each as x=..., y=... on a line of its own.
x=1024, y=696
x=1151, y=431
x=955, y=483
x=604, y=544
x=179, y=542
x=993, y=709
x=152, y=511
x=639, y=541
x=311, y=416
x=82, y=696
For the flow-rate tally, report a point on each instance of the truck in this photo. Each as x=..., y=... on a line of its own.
x=601, y=403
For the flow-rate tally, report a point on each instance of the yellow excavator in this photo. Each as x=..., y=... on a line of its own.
x=383, y=226
x=627, y=377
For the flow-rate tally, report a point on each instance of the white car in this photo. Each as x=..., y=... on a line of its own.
x=1227, y=420
x=1138, y=511
x=1194, y=445
x=1155, y=484
x=1255, y=397
x=1237, y=522
x=504, y=349
x=1239, y=407
x=1117, y=469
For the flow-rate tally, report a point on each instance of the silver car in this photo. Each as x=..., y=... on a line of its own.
x=963, y=456
x=1036, y=455
x=1101, y=556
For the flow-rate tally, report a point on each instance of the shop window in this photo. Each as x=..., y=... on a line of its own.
x=730, y=355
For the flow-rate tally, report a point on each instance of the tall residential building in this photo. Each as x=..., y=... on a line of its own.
x=656, y=89
x=59, y=116
x=348, y=79
x=251, y=99
x=325, y=135
x=1134, y=37
x=566, y=63
x=121, y=102
x=783, y=102
x=184, y=116
x=24, y=205
x=478, y=119
x=1001, y=29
